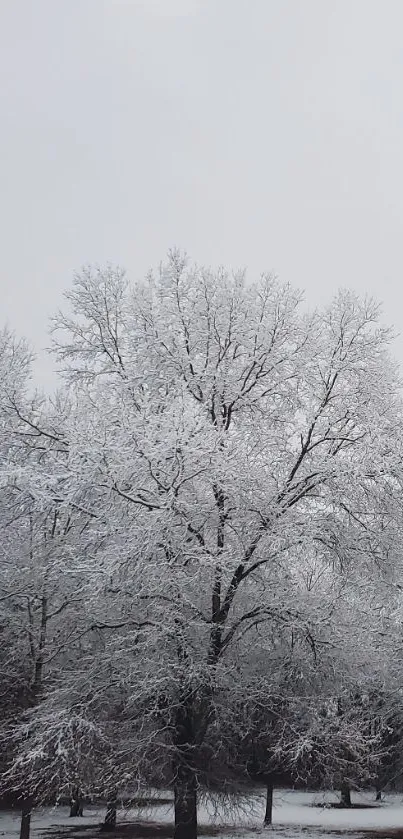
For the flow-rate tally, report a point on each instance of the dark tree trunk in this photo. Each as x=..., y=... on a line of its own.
x=268, y=816
x=76, y=803
x=109, y=824
x=345, y=795
x=187, y=739
x=26, y=818
x=39, y=661
x=185, y=803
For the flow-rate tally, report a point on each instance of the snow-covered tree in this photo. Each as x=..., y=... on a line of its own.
x=215, y=434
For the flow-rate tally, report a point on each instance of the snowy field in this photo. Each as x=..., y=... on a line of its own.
x=294, y=814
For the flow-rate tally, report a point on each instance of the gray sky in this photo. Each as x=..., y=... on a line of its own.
x=257, y=133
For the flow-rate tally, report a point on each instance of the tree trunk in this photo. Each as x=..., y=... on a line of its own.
x=26, y=818
x=76, y=803
x=345, y=795
x=109, y=824
x=268, y=816
x=185, y=803
x=39, y=661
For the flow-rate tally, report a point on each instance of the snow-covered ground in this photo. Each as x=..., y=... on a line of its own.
x=292, y=811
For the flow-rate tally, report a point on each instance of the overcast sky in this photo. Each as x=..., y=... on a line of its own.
x=266, y=134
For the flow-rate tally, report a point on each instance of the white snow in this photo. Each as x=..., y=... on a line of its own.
x=292, y=810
